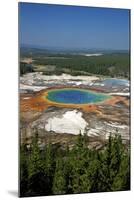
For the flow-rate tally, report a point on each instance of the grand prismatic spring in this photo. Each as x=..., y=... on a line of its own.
x=75, y=96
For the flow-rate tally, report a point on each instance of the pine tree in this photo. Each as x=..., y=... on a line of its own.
x=106, y=174
x=116, y=154
x=122, y=179
x=79, y=178
x=35, y=161
x=67, y=170
x=23, y=170
x=49, y=160
x=112, y=161
x=95, y=173
x=59, y=182
x=36, y=173
x=49, y=167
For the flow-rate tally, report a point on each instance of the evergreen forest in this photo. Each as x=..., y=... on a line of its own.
x=54, y=170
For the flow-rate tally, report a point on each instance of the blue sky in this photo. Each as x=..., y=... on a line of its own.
x=73, y=27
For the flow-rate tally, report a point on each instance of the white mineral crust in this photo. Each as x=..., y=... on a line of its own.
x=71, y=122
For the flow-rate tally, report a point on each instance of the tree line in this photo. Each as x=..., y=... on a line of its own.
x=110, y=65
x=56, y=170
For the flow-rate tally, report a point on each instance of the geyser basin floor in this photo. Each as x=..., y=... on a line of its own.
x=74, y=96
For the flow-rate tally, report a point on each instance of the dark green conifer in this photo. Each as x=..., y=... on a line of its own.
x=59, y=182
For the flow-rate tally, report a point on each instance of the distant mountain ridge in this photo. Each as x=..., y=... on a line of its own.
x=71, y=49
x=25, y=48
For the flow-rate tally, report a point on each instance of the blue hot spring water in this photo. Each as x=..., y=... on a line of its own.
x=115, y=82
x=75, y=96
